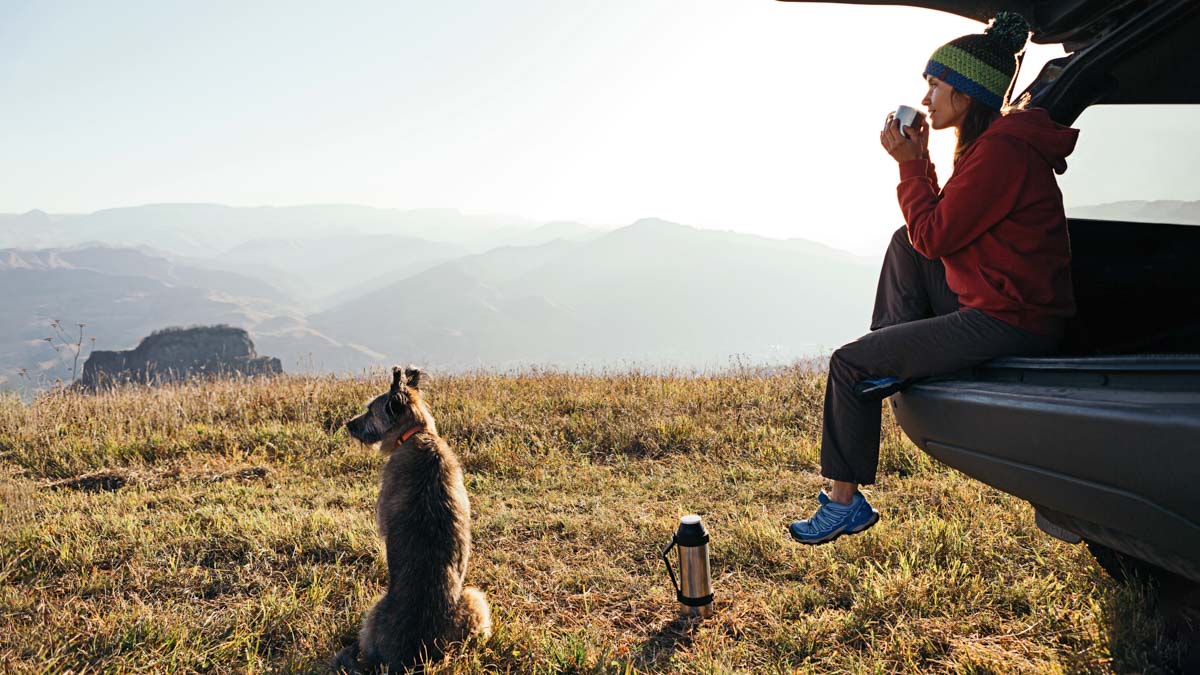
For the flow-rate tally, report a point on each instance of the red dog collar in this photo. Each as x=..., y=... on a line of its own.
x=409, y=434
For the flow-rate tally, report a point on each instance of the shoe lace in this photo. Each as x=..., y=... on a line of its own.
x=827, y=518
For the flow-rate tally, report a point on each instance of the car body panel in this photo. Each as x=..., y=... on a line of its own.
x=1105, y=442
x=1107, y=447
x=1121, y=52
x=1052, y=21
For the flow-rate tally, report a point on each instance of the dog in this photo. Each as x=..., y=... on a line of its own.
x=424, y=518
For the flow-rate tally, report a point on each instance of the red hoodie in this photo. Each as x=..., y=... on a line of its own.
x=999, y=225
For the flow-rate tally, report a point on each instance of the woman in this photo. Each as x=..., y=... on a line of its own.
x=982, y=269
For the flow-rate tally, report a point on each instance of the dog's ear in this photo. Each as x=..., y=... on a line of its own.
x=395, y=404
x=412, y=377
x=397, y=378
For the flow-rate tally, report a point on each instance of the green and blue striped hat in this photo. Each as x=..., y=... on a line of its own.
x=983, y=66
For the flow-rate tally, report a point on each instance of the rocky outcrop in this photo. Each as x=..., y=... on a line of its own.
x=176, y=354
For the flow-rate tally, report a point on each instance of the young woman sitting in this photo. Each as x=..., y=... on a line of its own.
x=982, y=269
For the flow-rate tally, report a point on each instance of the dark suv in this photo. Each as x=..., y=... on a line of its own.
x=1103, y=440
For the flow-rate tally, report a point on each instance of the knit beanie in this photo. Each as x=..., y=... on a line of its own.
x=983, y=66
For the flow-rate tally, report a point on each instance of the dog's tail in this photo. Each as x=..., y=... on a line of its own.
x=472, y=615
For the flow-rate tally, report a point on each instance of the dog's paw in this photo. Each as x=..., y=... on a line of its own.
x=346, y=661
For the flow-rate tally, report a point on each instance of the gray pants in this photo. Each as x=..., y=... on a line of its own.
x=918, y=331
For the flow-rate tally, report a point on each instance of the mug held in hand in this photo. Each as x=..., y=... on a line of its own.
x=907, y=117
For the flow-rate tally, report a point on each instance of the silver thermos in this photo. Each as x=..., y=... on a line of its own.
x=694, y=584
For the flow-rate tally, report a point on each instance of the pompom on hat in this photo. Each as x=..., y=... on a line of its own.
x=983, y=66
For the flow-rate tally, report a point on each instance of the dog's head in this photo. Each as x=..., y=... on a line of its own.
x=391, y=414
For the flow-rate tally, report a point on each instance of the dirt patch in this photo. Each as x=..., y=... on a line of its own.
x=102, y=481
x=111, y=480
x=247, y=474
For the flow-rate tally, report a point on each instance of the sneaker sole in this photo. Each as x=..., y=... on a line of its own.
x=861, y=528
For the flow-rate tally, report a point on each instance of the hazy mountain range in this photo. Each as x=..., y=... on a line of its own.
x=653, y=292
x=1162, y=211
x=342, y=288
x=210, y=229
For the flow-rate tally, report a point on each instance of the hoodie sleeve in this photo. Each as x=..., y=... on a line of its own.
x=931, y=172
x=920, y=168
x=984, y=189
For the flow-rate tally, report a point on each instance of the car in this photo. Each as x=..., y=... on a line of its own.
x=1103, y=439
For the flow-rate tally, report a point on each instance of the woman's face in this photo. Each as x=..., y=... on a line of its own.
x=946, y=107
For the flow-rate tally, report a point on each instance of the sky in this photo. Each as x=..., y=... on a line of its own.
x=748, y=115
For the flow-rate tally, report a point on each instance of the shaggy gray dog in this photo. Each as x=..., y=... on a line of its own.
x=425, y=520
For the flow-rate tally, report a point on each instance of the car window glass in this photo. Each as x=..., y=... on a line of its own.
x=1138, y=163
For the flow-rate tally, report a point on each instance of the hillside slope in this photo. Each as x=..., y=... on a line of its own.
x=652, y=292
x=123, y=295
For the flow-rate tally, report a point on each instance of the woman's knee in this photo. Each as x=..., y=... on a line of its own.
x=843, y=362
x=871, y=356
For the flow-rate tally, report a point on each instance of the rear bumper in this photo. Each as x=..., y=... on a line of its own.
x=1107, y=447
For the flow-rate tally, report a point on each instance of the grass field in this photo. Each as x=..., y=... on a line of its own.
x=227, y=527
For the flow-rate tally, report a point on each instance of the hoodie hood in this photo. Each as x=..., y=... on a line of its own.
x=1053, y=141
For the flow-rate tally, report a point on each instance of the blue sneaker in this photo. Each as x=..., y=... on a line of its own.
x=832, y=520
x=879, y=389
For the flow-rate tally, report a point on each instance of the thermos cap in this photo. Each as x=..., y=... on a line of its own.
x=691, y=531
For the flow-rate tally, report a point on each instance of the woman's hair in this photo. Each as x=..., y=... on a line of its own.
x=977, y=120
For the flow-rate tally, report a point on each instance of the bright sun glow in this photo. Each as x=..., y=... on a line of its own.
x=755, y=116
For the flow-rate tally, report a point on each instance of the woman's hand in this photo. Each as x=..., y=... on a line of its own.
x=903, y=148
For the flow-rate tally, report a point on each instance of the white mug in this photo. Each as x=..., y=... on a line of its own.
x=907, y=117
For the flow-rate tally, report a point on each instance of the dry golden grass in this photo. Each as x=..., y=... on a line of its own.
x=227, y=527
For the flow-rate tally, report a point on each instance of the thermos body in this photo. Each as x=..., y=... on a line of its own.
x=694, y=588
x=696, y=577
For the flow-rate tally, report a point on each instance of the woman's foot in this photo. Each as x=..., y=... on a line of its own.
x=831, y=520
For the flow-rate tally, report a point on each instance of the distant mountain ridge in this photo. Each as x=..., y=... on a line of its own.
x=653, y=291
x=131, y=262
x=336, y=299
x=1162, y=211
x=121, y=295
x=206, y=229
x=318, y=255
x=326, y=268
